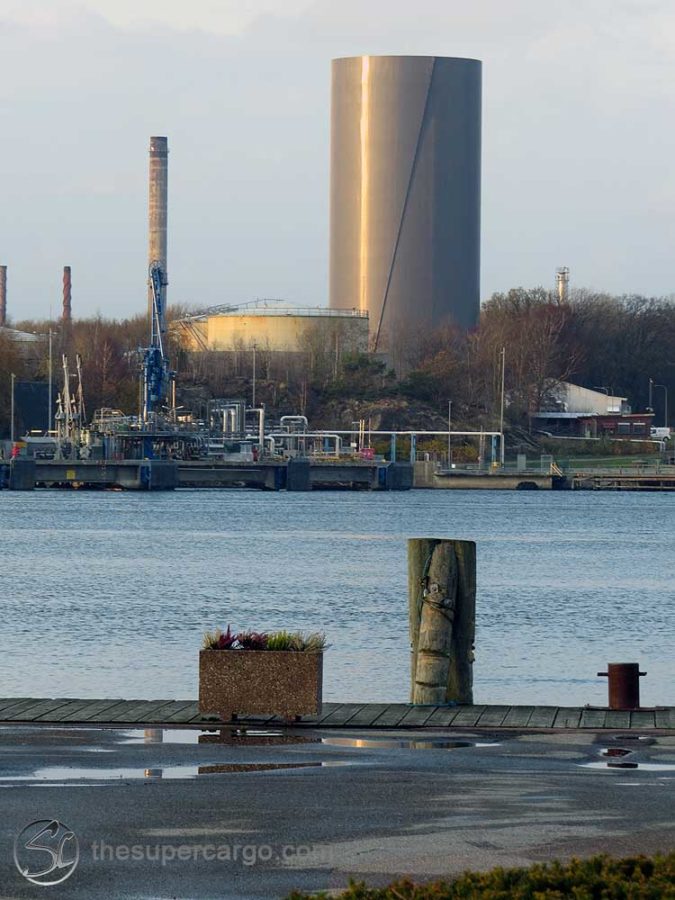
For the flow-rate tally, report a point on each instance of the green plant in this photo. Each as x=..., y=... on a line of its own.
x=633, y=878
x=282, y=640
x=313, y=642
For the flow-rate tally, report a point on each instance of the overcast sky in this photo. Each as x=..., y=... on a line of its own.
x=578, y=141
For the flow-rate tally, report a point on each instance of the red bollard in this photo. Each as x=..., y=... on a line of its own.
x=624, y=685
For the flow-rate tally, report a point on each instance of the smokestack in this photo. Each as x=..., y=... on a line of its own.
x=157, y=208
x=562, y=283
x=67, y=311
x=3, y=296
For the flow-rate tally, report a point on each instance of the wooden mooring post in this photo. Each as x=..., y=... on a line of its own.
x=442, y=607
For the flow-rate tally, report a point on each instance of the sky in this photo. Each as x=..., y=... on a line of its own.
x=578, y=141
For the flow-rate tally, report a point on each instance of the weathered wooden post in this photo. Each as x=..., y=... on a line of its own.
x=442, y=606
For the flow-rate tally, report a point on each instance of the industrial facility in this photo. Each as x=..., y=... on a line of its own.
x=277, y=329
x=405, y=193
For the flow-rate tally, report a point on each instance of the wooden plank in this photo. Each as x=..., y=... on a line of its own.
x=342, y=715
x=543, y=717
x=518, y=716
x=492, y=716
x=468, y=716
x=367, y=715
x=567, y=717
x=150, y=711
x=593, y=718
x=617, y=718
x=443, y=717
x=9, y=712
x=37, y=710
x=85, y=710
x=122, y=710
x=11, y=701
x=642, y=719
x=188, y=712
x=391, y=716
x=327, y=709
x=665, y=718
x=417, y=716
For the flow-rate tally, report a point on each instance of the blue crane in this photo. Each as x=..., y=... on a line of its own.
x=156, y=373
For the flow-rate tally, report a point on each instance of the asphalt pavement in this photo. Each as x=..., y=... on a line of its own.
x=93, y=813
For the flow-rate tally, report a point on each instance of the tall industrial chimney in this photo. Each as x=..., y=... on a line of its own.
x=157, y=207
x=3, y=296
x=562, y=283
x=66, y=315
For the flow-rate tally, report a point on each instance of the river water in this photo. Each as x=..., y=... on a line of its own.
x=107, y=594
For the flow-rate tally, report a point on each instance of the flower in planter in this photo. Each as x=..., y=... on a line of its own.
x=252, y=640
x=217, y=640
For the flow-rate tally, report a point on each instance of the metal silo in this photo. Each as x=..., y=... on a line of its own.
x=405, y=193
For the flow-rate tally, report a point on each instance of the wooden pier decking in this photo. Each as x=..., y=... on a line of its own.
x=139, y=713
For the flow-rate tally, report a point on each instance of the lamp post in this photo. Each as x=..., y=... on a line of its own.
x=11, y=413
x=449, y=433
x=665, y=403
x=501, y=414
x=50, y=388
x=253, y=392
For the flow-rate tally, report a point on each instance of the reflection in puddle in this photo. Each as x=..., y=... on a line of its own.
x=402, y=743
x=233, y=737
x=60, y=773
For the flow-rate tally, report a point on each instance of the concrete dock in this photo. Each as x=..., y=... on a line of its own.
x=166, y=475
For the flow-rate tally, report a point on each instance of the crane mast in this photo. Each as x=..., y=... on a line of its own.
x=156, y=373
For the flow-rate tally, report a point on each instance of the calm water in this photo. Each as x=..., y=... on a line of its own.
x=107, y=594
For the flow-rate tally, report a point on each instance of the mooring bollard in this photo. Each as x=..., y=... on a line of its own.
x=623, y=684
x=442, y=608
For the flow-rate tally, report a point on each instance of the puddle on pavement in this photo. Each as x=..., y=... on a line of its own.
x=232, y=737
x=61, y=773
x=629, y=764
x=402, y=743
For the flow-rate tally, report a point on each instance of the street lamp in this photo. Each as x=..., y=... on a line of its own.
x=11, y=414
x=253, y=397
x=665, y=403
x=501, y=413
x=449, y=434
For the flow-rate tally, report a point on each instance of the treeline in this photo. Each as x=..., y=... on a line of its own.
x=611, y=343
x=608, y=343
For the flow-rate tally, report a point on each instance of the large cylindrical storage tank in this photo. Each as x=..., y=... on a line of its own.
x=405, y=194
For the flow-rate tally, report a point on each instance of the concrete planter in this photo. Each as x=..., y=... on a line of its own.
x=283, y=683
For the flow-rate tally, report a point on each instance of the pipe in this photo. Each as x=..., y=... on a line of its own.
x=302, y=419
x=261, y=424
x=3, y=296
x=285, y=435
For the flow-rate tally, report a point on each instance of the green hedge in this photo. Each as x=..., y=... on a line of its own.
x=597, y=878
